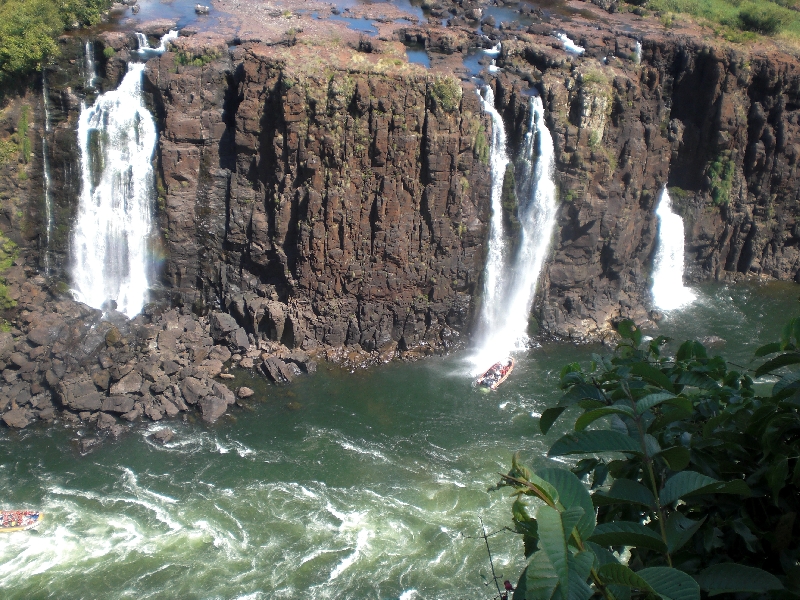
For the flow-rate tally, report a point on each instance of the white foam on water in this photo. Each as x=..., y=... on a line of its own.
x=493, y=68
x=570, y=46
x=669, y=291
x=347, y=562
x=494, y=51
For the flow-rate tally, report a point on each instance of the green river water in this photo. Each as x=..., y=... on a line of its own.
x=372, y=488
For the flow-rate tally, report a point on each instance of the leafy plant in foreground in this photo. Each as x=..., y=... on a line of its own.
x=695, y=479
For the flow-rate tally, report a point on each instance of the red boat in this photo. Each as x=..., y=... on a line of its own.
x=496, y=374
x=18, y=520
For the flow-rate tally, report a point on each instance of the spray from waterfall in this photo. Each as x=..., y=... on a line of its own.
x=48, y=200
x=669, y=292
x=504, y=320
x=113, y=232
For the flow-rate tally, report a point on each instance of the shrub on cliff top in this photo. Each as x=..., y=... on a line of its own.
x=446, y=92
x=29, y=28
x=705, y=478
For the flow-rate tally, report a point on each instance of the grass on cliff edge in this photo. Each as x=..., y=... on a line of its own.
x=741, y=20
x=29, y=29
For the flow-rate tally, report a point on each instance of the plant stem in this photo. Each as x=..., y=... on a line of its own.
x=491, y=562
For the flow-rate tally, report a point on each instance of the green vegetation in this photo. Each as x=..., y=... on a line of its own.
x=24, y=139
x=109, y=52
x=693, y=484
x=446, y=91
x=184, y=58
x=29, y=28
x=480, y=148
x=8, y=149
x=736, y=20
x=721, y=171
x=8, y=254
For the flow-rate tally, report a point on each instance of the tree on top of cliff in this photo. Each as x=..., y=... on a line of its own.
x=29, y=28
x=705, y=478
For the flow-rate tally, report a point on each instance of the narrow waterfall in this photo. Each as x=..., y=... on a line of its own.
x=504, y=321
x=668, y=290
x=638, y=53
x=145, y=51
x=91, y=69
x=48, y=199
x=495, y=260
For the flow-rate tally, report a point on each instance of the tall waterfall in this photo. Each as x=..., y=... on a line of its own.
x=504, y=320
x=637, y=54
x=498, y=160
x=117, y=137
x=48, y=200
x=668, y=290
x=91, y=69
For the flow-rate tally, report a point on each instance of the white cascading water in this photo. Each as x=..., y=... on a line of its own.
x=48, y=200
x=495, y=263
x=117, y=136
x=144, y=46
x=638, y=53
x=504, y=322
x=669, y=292
x=90, y=66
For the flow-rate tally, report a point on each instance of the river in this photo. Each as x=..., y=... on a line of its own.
x=368, y=484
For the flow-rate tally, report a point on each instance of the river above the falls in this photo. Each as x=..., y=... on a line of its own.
x=367, y=484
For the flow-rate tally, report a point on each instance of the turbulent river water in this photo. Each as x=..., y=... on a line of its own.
x=345, y=485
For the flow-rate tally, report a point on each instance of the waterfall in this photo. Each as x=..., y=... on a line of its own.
x=570, y=46
x=117, y=137
x=91, y=70
x=48, y=201
x=637, y=55
x=668, y=290
x=498, y=159
x=504, y=320
x=145, y=51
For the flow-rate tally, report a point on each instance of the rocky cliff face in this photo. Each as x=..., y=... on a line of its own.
x=336, y=203
x=717, y=126
x=343, y=202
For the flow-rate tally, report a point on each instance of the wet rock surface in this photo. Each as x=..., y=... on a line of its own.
x=63, y=360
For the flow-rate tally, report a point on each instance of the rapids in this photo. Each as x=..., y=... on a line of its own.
x=370, y=486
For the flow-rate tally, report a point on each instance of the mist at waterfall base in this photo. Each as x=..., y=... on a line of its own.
x=343, y=485
x=113, y=234
x=510, y=281
x=669, y=291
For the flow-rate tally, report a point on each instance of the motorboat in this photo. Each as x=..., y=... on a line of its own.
x=496, y=374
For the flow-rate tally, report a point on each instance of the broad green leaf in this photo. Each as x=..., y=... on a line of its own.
x=625, y=491
x=553, y=542
x=782, y=360
x=549, y=417
x=689, y=483
x=680, y=530
x=622, y=575
x=790, y=380
x=730, y=578
x=547, y=490
x=671, y=583
x=590, y=417
x=691, y=349
x=628, y=330
x=595, y=441
x=652, y=400
x=572, y=493
x=627, y=533
x=649, y=373
x=677, y=457
x=581, y=391
x=539, y=580
x=776, y=476
x=580, y=566
x=698, y=380
x=768, y=349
